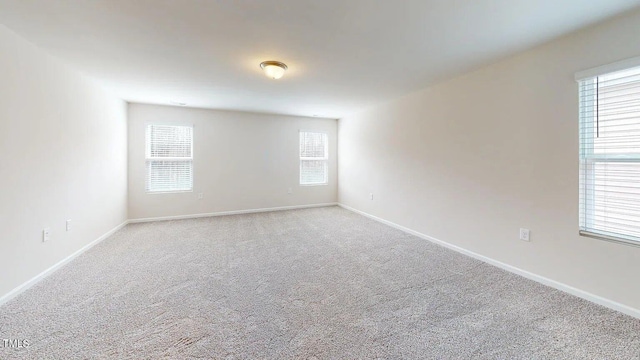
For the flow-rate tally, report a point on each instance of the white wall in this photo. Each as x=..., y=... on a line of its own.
x=241, y=161
x=63, y=154
x=472, y=160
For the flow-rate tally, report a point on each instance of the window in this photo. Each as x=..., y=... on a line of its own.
x=169, y=158
x=314, y=156
x=610, y=155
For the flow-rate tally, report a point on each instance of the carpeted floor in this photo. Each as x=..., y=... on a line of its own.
x=315, y=284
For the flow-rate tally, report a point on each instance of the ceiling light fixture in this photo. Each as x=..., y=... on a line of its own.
x=273, y=69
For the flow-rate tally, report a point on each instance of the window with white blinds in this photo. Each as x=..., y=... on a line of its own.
x=169, y=158
x=610, y=155
x=314, y=157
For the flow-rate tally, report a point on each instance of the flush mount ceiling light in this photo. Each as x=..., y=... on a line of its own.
x=273, y=69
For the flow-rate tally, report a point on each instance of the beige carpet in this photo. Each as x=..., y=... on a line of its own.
x=319, y=283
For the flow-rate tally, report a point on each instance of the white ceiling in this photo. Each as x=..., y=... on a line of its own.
x=343, y=56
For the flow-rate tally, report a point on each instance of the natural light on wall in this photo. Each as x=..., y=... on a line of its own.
x=610, y=155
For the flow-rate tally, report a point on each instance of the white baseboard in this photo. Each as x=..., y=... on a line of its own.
x=541, y=279
x=223, y=213
x=20, y=289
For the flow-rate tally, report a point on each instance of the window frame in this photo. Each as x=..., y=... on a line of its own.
x=325, y=158
x=149, y=158
x=588, y=159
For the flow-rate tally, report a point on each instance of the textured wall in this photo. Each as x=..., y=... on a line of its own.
x=472, y=160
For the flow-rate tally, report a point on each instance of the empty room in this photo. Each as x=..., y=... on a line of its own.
x=307, y=179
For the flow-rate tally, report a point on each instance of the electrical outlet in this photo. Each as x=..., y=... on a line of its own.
x=200, y=196
x=46, y=234
x=289, y=191
x=69, y=225
x=524, y=234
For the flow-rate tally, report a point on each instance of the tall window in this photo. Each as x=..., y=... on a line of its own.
x=610, y=155
x=169, y=158
x=314, y=156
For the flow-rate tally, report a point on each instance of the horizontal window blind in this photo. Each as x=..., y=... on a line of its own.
x=610, y=155
x=314, y=156
x=169, y=158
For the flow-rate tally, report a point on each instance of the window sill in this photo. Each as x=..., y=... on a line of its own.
x=168, y=192
x=609, y=238
x=324, y=184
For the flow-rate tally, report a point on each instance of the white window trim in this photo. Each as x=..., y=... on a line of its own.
x=608, y=68
x=325, y=158
x=579, y=77
x=149, y=158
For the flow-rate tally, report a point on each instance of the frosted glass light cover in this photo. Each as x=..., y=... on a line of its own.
x=273, y=71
